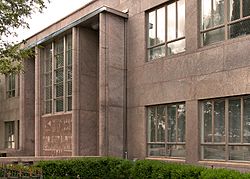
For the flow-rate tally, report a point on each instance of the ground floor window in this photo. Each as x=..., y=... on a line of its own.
x=9, y=128
x=225, y=129
x=166, y=130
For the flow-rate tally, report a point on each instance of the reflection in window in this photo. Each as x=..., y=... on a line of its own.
x=166, y=130
x=10, y=85
x=214, y=25
x=232, y=114
x=158, y=43
x=58, y=75
x=9, y=128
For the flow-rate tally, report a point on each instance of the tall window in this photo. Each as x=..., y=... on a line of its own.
x=10, y=85
x=226, y=129
x=9, y=134
x=58, y=76
x=224, y=19
x=166, y=130
x=166, y=30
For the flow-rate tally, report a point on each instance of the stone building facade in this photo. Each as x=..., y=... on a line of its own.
x=157, y=79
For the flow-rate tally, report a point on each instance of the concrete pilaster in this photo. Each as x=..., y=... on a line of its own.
x=37, y=101
x=111, y=85
x=75, y=91
x=192, y=132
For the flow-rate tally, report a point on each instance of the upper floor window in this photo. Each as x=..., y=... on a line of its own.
x=10, y=85
x=166, y=30
x=9, y=128
x=58, y=75
x=224, y=19
x=166, y=130
x=226, y=129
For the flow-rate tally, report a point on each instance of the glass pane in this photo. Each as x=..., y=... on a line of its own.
x=59, y=75
x=171, y=26
x=69, y=42
x=207, y=121
x=246, y=121
x=69, y=104
x=59, y=90
x=239, y=29
x=59, y=105
x=234, y=10
x=213, y=152
x=48, y=107
x=218, y=12
x=181, y=123
x=219, y=121
x=151, y=28
x=48, y=91
x=181, y=18
x=206, y=12
x=176, y=151
x=176, y=47
x=161, y=115
x=239, y=153
x=213, y=36
x=69, y=57
x=69, y=88
x=156, y=52
x=171, y=123
x=69, y=73
x=152, y=121
x=161, y=25
x=48, y=79
x=234, y=121
x=246, y=8
x=156, y=149
x=59, y=60
x=59, y=46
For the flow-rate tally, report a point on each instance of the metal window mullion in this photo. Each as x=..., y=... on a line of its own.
x=53, y=77
x=226, y=19
x=226, y=129
x=166, y=130
x=241, y=9
x=176, y=123
x=166, y=29
x=212, y=12
x=176, y=19
x=156, y=121
x=242, y=119
x=212, y=121
x=156, y=24
x=64, y=74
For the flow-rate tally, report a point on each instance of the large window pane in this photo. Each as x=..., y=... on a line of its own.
x=156, y=52
x=152, y=121
x=206, y=16
x=234, y=10
x=161, y=123
x=239, y=29
x=161, y=25
x=239, y=153
x=181, y=123
x=234, y=121
x=246, y=8
x=176, y=47
x=213, y=36
x=175, y=151
x=151, y=28
x=181, y=18
x=246, y=121
x=219, y=121
x=171, y=122
x=213, y=152
x=156, y=150
x=59, y=105
x=171, y=19
x=207, y=121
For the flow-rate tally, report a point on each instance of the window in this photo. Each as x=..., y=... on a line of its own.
x=58, y=75
x=166, y=30
x=224, y=19
x=166, y=130
x=9, y=135
x=226, y=129
x=10, y=85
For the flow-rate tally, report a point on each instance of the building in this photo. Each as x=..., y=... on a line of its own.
x=156, y=79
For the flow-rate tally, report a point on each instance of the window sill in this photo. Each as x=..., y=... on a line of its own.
x=57, y=114
x=177, y=160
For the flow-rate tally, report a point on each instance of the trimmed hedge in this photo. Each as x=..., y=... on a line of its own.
x=109, y=168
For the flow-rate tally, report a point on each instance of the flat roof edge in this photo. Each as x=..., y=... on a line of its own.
x=77, y=22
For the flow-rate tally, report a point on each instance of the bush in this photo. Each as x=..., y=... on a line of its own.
x=109, y=168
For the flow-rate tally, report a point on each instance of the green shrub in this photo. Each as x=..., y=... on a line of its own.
x=220, y=174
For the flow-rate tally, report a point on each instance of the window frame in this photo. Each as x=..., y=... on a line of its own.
x=226, y=24
x=166, y=41
x=11, y=86
x=53, y=82
x=227, y=144
x=166, y=143
x=9, y=144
